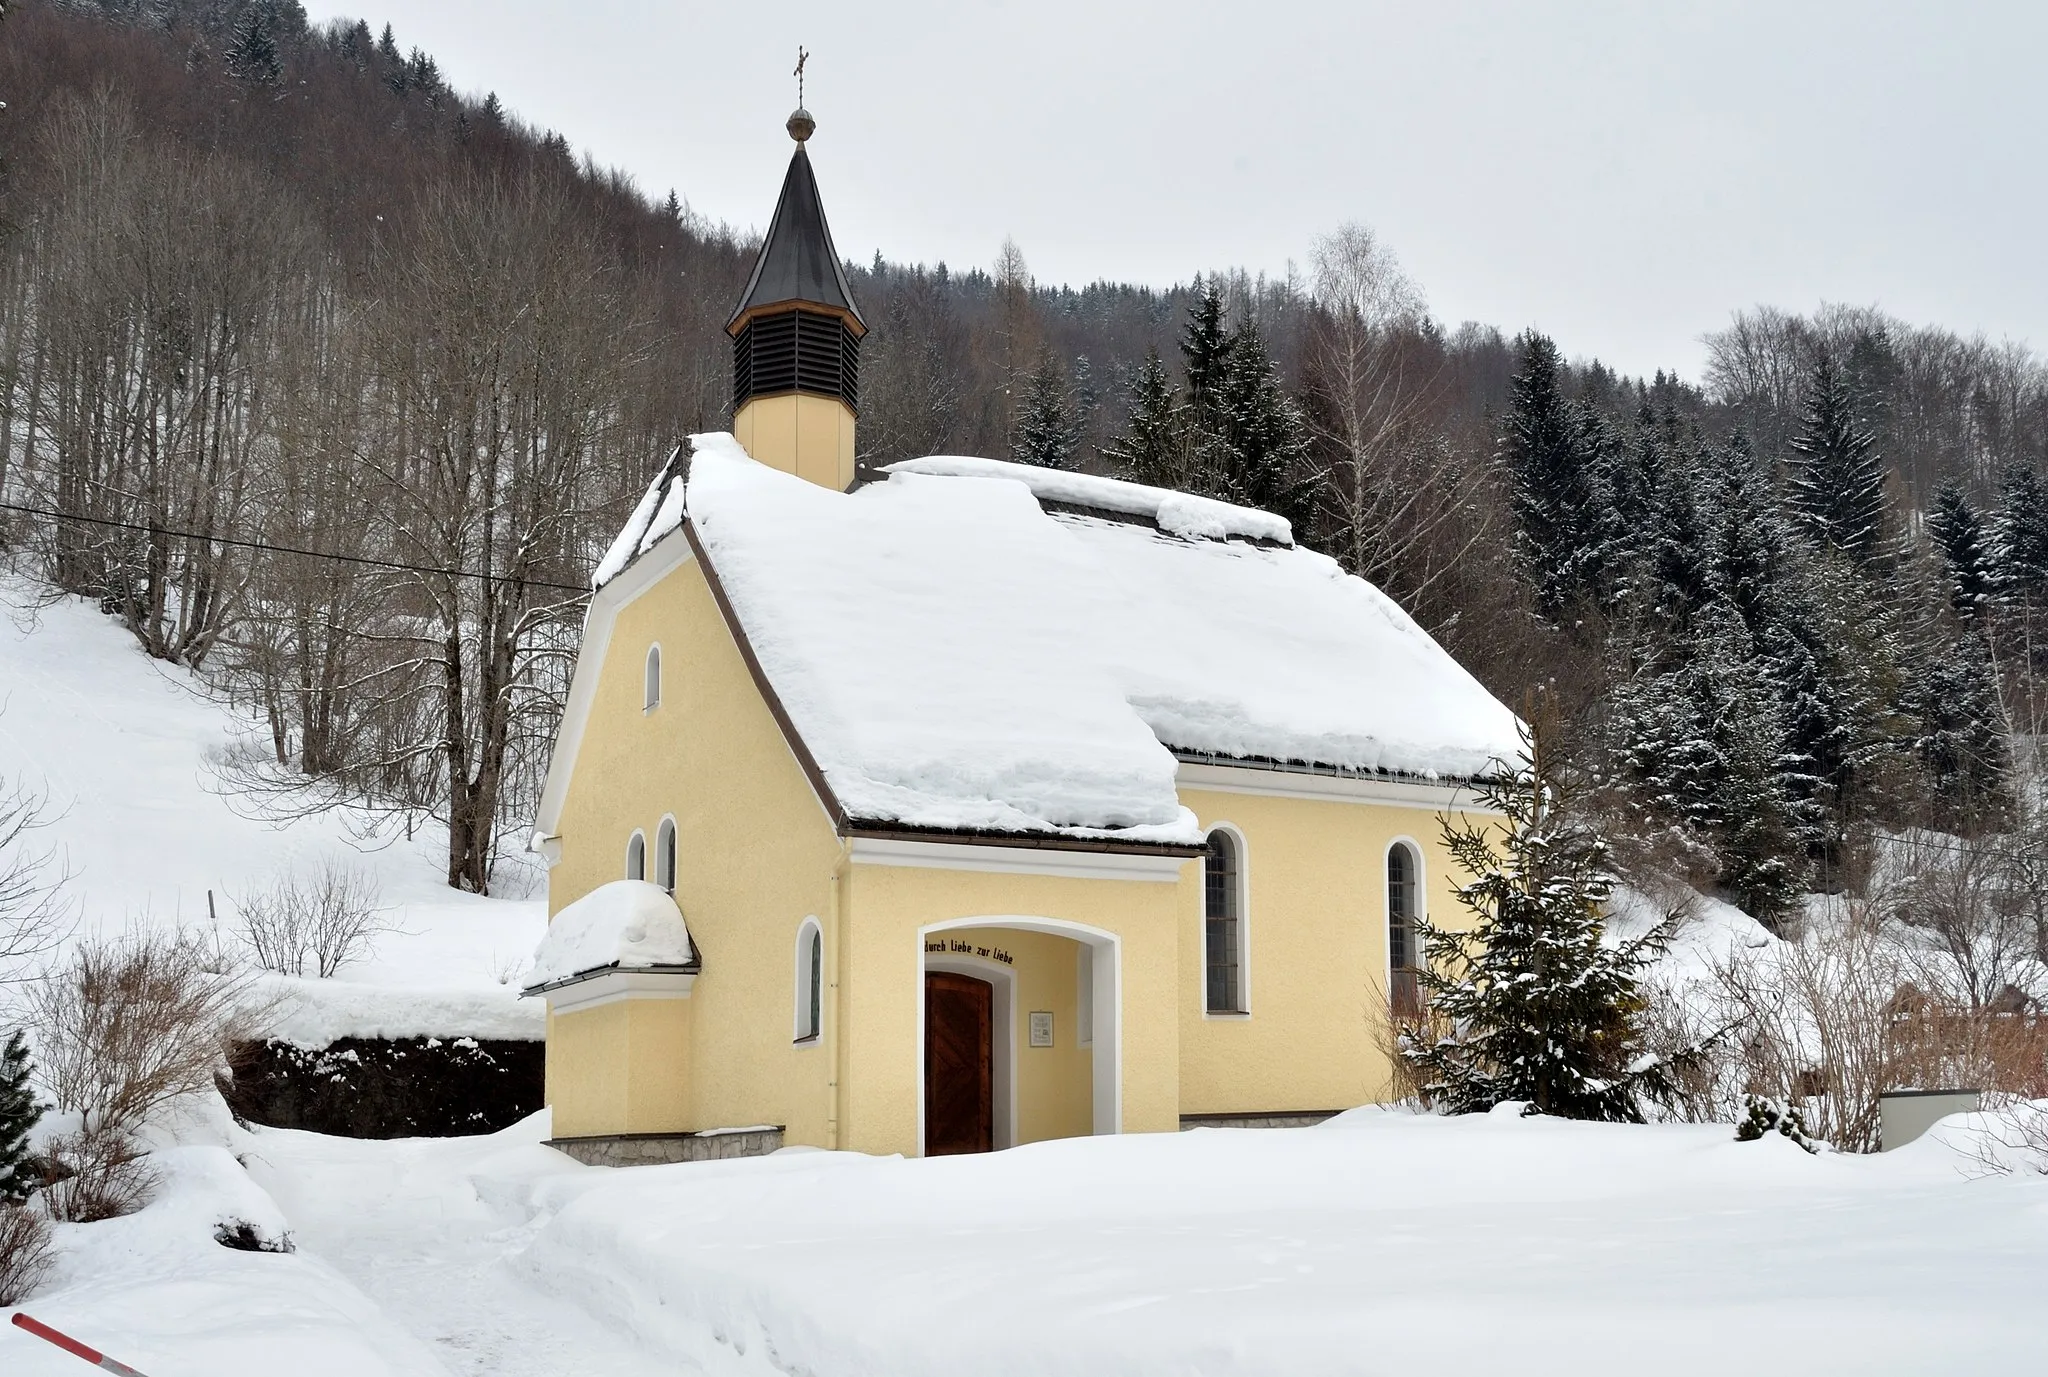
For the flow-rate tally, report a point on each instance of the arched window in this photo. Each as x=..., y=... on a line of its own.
x=665, y=855
x=653, y=690
x=810, y=980
x=1404, y=943
x=636, y=857
x=1223, y=926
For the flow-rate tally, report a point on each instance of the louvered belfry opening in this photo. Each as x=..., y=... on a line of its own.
x=796, y=351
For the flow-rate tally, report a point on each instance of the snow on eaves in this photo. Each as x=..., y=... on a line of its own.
x=623, y=925
x=956, y=657
x=1177, y=513
x=658, y=513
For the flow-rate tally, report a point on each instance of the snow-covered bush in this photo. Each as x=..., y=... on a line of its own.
x=125, y=1026
x=95, y=1173
x=312, y=924
x=25, y=1252
x=1763, y=1117
x=247, y=1237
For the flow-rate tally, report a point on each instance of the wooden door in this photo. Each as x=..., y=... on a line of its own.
x=959, y=1069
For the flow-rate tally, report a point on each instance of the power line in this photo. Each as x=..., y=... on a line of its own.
x=294, y=550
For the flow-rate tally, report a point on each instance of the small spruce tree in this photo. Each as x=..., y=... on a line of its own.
x=1539, y=1008
x=18, y=1114
x=1045, y=433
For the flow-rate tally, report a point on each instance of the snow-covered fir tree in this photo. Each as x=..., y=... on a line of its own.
x=2019, y=538
x=1154, y=447
x=1537, y=1007
x=1835, y=487
x=18, y=1115
x=1045, y=433
x=1562, y=532
x=1964, y=545
x=252, y=54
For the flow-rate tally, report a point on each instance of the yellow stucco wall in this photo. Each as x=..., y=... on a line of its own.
x=614, y=1067
x=1054, y=1084
x=811, y=437
x=755, y=856
x=1316, y=953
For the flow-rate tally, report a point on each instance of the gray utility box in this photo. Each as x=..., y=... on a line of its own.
x=1904, y=1115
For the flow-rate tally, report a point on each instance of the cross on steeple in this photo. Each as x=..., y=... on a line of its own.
x=801, y=58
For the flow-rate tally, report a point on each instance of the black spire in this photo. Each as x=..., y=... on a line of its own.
x=798, y=265
x=796, y=328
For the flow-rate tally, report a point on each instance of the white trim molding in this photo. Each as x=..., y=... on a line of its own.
x=1278, y=783
x=613, y=986
x=1019, y=860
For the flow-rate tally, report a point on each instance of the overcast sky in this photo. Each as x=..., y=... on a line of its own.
x=1621, y=175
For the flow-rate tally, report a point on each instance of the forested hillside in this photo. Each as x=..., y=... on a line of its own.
x=267, y=289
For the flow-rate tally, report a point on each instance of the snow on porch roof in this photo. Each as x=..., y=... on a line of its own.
x=956, y=656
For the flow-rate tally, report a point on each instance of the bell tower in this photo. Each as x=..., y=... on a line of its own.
x=796, y=339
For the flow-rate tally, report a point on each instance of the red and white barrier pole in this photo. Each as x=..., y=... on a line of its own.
x=73, y=1346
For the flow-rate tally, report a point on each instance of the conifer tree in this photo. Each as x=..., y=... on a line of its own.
x=1836, y=486
x=1552, y=452
x=1539, y=1008
x=1261, y=437
x=18, y=1114
x=1154, y=446
x=252, y=55
x=1045, y=435
x=1962, y=733
x=2019, y=538
x=1964, y=546
x=1205, y=356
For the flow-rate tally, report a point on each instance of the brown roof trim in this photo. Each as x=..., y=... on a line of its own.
x=1036, y=841
x=794, y=303
x=790, y=734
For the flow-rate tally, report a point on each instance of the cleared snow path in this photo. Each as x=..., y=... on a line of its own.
x=428, y=1227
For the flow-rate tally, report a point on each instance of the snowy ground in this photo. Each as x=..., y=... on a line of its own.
x=126, y=749
x=1380, y=1242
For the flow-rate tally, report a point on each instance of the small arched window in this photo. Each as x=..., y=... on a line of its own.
x=665, y=855
x=810, y=980
x=1223, y=927
x=1404, y=943
x=636, y=857
x=652, y=698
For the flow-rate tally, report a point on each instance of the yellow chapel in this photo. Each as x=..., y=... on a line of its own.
x=967, y=804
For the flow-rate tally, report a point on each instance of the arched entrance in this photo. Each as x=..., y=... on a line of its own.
x=1046, y=993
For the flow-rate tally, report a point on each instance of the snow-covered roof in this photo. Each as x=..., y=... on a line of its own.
x=627, y=925
x=953, y=655
x=1178, y=513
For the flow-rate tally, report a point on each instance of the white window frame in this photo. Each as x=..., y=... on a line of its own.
x=650, y=679
x=669, y=856
x=1244, y=927
x=801, y=1010
x=636, y=849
